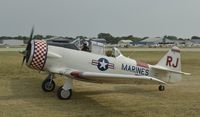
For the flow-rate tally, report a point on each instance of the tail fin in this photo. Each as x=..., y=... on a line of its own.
x=168, y=68
x=171, y=60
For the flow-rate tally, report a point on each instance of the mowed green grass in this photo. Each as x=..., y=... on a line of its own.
x=21, y=94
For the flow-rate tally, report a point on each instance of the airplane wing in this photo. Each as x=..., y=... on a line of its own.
x=106, y=77
x=95, y=75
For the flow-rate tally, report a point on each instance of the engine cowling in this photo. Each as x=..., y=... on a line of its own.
x=37, y=54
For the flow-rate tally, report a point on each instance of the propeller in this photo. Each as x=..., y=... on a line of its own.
x=26, y=53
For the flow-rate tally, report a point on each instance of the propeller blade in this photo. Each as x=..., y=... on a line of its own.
x=28, y=45
x=31, y=36
x=23, y=60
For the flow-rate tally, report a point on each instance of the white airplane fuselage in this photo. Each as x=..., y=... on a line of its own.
x=85, y=61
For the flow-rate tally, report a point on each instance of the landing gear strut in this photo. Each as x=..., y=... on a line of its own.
x=48, y=84
x=161, y=88
x=65, y=91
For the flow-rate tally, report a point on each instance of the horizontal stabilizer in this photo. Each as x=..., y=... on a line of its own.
x=169, y=70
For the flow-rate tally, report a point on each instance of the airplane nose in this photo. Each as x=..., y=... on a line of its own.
x=37, y=55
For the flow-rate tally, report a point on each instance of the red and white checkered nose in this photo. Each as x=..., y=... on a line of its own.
x=38, y=54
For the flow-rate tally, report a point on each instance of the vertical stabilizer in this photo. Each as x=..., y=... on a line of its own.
x=171, y=60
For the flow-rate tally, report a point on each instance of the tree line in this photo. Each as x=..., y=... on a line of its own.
x=26, y=37
x=113, y=40
x=107, y=36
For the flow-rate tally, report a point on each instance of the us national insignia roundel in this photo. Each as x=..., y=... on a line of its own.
x=103, y=64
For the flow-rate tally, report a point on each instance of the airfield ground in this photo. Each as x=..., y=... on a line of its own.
x=21, y=94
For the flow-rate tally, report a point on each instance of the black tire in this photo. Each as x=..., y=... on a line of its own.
x=48, y=85
x=64, y=94
x=161, y=88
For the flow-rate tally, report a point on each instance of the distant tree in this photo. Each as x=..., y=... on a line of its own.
x=195, y=37
x=145, y=37
x=81, y=37
x=19, y=37
x=38, y=36
x=48, y=36
x=5, y=37
x=108, y=37
x=132, y=38
x=105, y=36
x=180, y=39
x=114, y=40
x=171, y=37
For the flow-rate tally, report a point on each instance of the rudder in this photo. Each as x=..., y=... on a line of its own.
x=171, y=60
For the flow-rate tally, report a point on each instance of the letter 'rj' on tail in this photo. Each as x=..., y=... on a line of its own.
x=169, y=67
x=171, y=60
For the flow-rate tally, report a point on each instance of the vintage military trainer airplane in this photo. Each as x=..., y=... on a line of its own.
x=90, y=67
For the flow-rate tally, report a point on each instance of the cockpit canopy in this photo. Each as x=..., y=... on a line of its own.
x=63, y=42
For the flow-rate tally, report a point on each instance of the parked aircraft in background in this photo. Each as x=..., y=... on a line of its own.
x=91, y=67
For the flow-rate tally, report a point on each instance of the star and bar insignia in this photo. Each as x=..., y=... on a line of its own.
x=103, y=64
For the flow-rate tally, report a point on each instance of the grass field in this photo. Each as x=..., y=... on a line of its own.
x=21, y=94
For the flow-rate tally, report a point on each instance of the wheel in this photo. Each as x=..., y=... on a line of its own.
x=48, y=85
x=64, y=94
x=161, y=88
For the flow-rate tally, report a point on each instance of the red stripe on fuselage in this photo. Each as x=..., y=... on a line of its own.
x=142, y=64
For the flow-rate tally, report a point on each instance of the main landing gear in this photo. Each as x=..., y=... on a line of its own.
x=48, y=84
x=63, y=93
x=161, y=88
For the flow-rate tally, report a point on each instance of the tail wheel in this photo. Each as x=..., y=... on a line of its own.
x=48, y=85
x=161, y=88
x=64, y=94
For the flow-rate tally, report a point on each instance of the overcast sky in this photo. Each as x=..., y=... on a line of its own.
x=89, y=17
